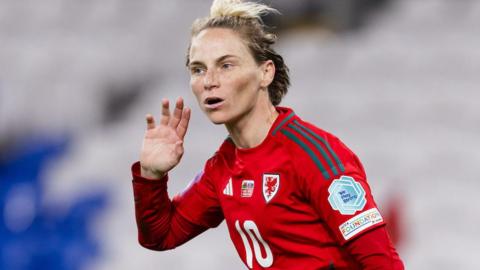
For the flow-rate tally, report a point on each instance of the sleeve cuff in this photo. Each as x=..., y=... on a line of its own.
x=138, y=178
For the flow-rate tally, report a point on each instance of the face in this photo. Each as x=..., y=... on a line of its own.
x=224, y=76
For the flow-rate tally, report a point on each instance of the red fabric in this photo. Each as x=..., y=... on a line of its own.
x=394, y=218
x=160, y=227
x=274, y=198
x=374, y=251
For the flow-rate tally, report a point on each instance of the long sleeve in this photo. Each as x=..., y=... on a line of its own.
x=160, y=222
x=343, y=198
x=373, y=250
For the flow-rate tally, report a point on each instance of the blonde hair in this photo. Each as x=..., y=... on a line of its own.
x=238, y=8
x=245, y=18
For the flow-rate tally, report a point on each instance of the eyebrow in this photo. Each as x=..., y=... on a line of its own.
x=220, y=59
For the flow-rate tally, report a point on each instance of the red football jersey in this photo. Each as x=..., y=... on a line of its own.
x=292, y=202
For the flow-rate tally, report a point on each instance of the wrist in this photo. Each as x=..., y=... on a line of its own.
x=152, y=175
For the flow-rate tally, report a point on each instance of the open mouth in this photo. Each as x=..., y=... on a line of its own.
x=213, y=102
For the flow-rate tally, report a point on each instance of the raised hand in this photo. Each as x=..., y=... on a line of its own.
x=162, y=146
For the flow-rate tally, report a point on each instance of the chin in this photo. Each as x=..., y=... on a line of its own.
x=217, y=117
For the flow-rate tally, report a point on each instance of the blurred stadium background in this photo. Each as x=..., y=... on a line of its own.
x=397, y=80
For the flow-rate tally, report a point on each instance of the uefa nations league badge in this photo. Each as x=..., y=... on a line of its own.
x=346, y=195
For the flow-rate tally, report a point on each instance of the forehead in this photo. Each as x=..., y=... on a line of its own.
x=213, y=43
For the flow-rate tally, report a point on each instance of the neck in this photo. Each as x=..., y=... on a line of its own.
x=253, y=127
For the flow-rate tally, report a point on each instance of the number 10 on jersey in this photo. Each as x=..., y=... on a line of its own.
x=256, y=239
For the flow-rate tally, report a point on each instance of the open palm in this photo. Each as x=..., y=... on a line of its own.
x=162, y=146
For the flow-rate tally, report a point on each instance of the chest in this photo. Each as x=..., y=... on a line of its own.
x=264, y=190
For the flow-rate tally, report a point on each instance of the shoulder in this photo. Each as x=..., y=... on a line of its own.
x=223, y=156
x=212, y=168
x=316, y=150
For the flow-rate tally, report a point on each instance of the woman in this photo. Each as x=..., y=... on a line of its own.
x=293, y=196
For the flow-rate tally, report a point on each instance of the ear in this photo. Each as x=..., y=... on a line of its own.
x=267, y=69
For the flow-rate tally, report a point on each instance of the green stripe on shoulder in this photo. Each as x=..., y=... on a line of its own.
x=309, y=151
x=318, y=146
x=283, y=123
x=330, y=150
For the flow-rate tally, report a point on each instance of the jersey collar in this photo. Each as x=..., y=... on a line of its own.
x=284, y=116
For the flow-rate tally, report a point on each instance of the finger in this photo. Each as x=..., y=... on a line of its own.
x=165, y=112
x=183, y=125
x=150, y=121
x=177, y=113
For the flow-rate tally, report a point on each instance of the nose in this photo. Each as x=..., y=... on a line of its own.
x=210, y=80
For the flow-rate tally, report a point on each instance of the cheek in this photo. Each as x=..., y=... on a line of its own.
x=196, y=87
x=246, y=84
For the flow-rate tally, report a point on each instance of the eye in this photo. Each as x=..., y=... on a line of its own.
x=227, y=66
x=197, y=70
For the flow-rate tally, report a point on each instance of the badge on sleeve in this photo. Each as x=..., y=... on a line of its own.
x=360, y=223
x=346, y=195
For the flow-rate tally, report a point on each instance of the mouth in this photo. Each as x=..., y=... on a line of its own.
x=213, y=102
